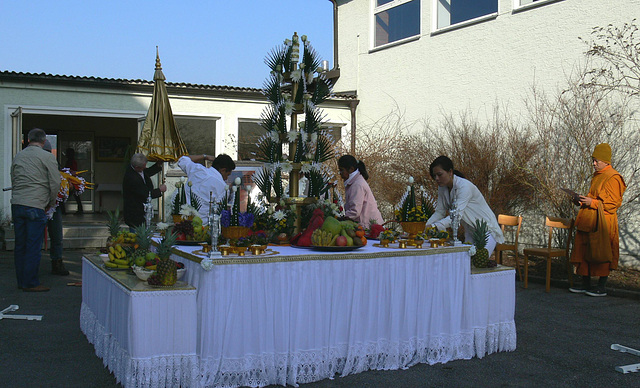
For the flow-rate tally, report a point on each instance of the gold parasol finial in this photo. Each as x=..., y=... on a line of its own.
x=158, y=75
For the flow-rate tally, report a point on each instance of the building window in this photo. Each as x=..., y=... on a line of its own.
x=249, y=132
x=198, y=134
x=396, y=20
x=451, y=12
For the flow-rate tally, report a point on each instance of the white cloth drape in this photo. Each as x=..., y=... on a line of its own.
x=303, y=321
x=146, y=338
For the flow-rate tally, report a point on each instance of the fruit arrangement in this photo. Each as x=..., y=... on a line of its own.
x=118, y=256
x=166, y=270
x=191, y=230
x=338, y=233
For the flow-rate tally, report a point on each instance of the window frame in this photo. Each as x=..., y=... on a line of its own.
x=385, y=7
x=437, y=30
x=518, y=7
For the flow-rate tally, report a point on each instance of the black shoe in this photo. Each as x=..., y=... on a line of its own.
x=597, y=292
x=579, y=290
x=57, y=268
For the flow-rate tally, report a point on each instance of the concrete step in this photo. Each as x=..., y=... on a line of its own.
x=85, y=235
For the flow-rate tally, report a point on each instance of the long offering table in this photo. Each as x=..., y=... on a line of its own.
x=302, y=316
x=298, y=315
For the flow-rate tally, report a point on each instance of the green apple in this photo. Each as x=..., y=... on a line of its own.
x=140, y=260
x=150, y=256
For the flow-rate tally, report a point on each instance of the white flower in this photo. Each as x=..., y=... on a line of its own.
x=275, y=137
x=316, y=166
x=309, y=156
x=301, y=125
x=162, y=226
x=248, y=188
x=306, y=167
x=234, y=188
x=314, y=137
x=187, y=210
x=226, y=188
x=286, y=168
x=207, y=264
x=279, y=215
x=296, y=75
x=237, y=181
x=408, y=188
x=288, y=107
x=410, y=180
x=472, y=250
x=292, y=136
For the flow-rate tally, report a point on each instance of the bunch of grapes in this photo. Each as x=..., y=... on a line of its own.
x=154, y=280
x=185, y=227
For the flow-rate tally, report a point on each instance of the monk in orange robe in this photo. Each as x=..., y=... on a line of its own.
x=607, y=187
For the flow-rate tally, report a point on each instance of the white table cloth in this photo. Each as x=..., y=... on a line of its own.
x=146, y=338
x=493, y=309
x=308, y=316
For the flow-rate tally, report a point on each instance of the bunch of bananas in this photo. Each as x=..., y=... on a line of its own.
x=323, y=238
x=125, y=237
x=117, y=257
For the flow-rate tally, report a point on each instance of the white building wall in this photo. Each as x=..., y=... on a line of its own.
x=471, y=67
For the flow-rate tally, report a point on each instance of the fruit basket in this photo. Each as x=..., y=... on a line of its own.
x=143, y=273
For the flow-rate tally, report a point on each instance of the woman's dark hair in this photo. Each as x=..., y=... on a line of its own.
x=223, y=161
x=348, y=161
x=444, y=163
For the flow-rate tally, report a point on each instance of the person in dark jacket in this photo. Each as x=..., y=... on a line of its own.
x=136, y=187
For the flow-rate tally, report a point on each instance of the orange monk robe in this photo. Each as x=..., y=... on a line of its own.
x=610, y=194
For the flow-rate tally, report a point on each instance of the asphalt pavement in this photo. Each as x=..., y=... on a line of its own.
x=564, y=339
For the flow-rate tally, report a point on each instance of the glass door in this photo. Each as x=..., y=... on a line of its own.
x=75, y=150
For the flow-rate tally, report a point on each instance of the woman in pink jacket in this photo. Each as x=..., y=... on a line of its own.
x=360, y=205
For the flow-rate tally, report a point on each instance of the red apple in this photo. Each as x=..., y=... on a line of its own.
x=181, y=237
x=341, y=241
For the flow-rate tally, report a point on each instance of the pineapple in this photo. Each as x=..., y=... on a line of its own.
x=143, y=241
x=167, y=270
x=114, y=224
x=481, y=258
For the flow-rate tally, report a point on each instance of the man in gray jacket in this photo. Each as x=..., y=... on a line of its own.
x=36, y=181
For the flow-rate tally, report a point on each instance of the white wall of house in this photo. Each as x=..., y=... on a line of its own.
x=38, y=98
x=469, y=66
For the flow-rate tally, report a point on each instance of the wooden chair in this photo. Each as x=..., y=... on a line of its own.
x=511, y=221
x=549, y=253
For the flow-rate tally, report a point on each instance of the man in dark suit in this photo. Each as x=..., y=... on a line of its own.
x=136, y=187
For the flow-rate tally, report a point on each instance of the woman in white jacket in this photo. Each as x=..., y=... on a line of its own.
x=469, y=202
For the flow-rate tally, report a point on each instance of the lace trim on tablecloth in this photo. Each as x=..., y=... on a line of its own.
x=309, y=366
x=160, y=371
x=497, y=337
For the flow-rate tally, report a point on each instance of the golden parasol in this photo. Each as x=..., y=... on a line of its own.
x=160, y=140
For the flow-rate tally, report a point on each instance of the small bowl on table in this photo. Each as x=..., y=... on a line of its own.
x=142, y=273
x=181, y=272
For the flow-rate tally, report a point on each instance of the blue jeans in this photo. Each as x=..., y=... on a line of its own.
x=29, y=224
x=54, y=226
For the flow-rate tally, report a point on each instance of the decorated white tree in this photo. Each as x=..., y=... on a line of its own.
x=295, y=140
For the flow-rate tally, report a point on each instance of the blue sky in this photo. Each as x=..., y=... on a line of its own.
x=214, y=42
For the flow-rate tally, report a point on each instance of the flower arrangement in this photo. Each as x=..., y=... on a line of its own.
x=433, y=232
x=259, y=237
x=281, y=220
x=68, y=179
x=388, y=235
x=409, y=211
x=233, y=216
